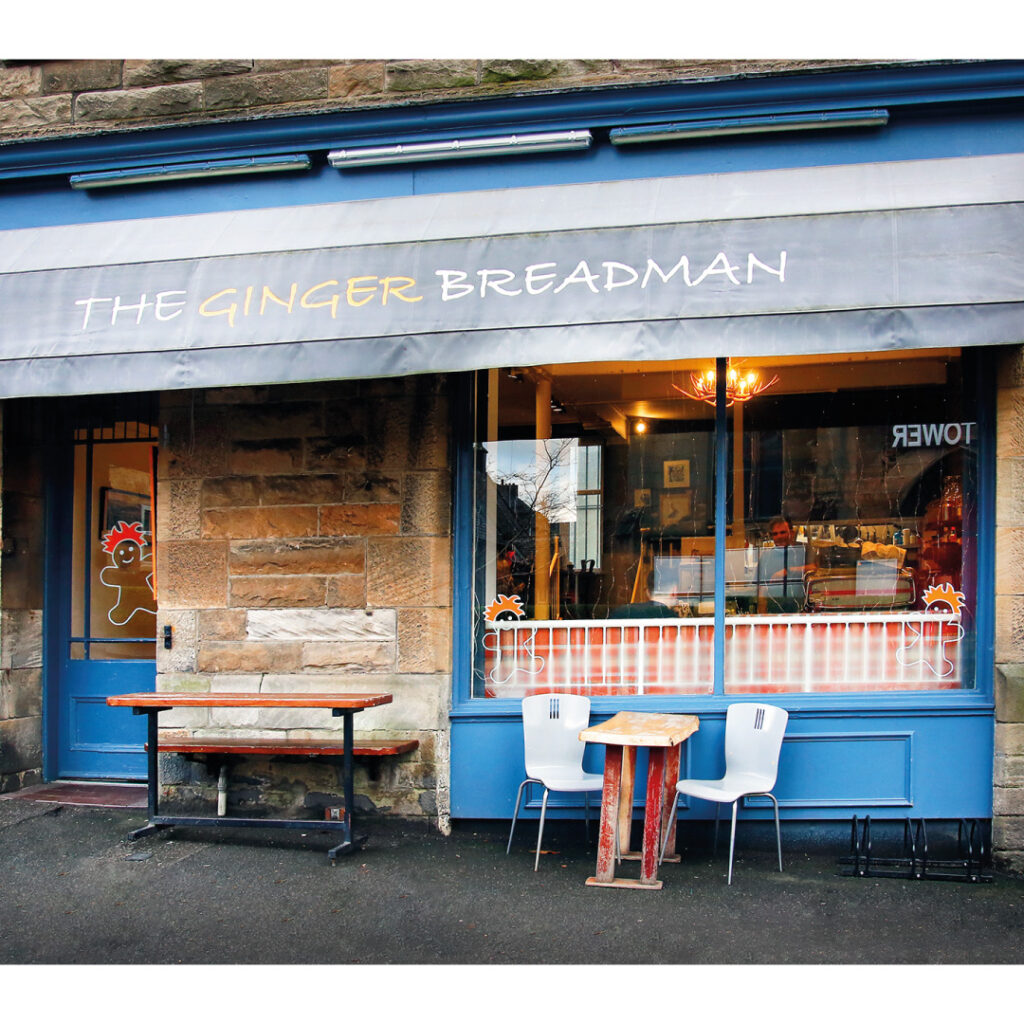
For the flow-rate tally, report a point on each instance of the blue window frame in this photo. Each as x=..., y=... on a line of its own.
x=909, y=586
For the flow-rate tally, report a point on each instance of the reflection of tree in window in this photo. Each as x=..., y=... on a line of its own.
x=532, y=478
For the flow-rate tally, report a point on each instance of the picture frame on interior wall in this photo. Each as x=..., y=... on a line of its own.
x=675, y=507
x=642, y=497
x=676, y=473
x=123, y=506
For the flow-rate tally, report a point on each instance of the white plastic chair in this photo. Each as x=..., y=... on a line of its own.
x=554, y=753
x=753, y=740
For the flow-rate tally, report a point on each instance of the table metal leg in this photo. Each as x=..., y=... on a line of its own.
x=153, y=762
x=152, y=772
x=348, y=845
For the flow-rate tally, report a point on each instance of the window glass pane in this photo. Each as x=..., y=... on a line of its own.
x=593, y=505
x=850, y=559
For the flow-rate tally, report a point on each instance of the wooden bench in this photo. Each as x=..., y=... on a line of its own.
x=285, y=747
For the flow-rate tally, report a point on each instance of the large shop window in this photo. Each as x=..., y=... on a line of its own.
x=849, y=527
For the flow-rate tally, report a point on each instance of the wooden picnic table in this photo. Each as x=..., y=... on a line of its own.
x=345, y=705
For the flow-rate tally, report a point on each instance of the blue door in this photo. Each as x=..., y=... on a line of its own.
x=102, y=592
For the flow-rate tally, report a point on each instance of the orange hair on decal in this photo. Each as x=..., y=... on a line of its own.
x=504, y=605
x=944, y=595
x=123, y=531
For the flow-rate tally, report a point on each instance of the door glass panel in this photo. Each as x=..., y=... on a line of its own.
x=113, y=566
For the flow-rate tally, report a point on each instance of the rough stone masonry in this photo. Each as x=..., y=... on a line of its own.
x=304, y=543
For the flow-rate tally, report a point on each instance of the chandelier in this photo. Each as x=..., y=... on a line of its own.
x=740, y=385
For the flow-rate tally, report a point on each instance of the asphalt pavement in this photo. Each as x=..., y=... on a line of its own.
x=74, y=891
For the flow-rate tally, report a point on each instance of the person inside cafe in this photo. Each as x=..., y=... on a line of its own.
x=781, y=568
x=787, y=559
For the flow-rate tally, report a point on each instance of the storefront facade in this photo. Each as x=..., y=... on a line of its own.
x=680, y=409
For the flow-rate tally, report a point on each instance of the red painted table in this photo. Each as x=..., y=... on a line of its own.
x=663, y=735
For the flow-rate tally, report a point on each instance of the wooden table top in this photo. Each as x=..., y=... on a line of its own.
x=642, y=729
x=155, y=699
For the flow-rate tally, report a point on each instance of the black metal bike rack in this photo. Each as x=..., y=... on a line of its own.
x=971, y=860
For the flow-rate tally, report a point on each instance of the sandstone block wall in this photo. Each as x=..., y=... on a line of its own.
x=304, y=543
x=50, y=98
x=1008, y=780
x=21, y=599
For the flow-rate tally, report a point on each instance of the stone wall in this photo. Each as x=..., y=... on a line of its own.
x=61, y=98
x=21, y=598
x=1008, y=794
x=304, y=544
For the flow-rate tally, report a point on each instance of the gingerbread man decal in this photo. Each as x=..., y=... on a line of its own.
x=127, y=572
x=906, y=655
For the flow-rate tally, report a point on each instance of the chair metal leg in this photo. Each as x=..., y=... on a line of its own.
x=540, y=831
x=778, y=834
x=586, y=815
x=732, y=838
x=515, y=813
x=714, y=845
x=664, y=839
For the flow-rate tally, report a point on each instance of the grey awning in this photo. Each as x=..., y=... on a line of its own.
x=589, y=288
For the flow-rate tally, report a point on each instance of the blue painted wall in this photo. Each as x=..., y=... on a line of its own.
x=833, y=765
x=958, y=110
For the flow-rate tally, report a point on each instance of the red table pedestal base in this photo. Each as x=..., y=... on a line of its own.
x=626, y=883
x=622, y=734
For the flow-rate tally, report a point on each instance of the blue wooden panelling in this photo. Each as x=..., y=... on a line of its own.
x=845, y=769
x=931, y=766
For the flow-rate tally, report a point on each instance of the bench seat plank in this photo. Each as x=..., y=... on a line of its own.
x=265, y=747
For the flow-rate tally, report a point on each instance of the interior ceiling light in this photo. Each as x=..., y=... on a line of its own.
x=159, y=173
x=754, y=124
x=740, y=385
x=640, y=427
x=457, y=149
